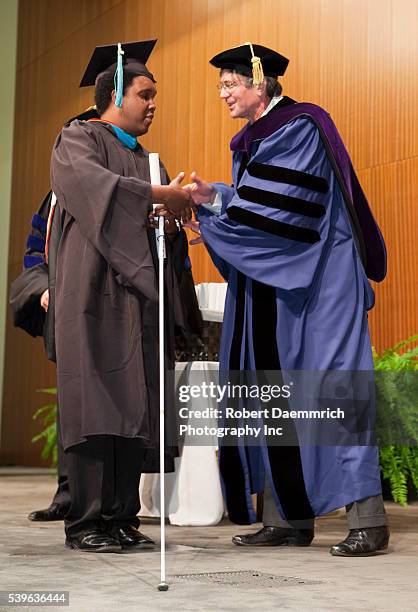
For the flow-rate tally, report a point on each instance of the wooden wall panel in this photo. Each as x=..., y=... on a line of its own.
x=394, y=187
x=45, y=24
x=357, y=58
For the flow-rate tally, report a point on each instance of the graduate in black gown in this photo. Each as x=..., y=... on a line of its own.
x=107, y=301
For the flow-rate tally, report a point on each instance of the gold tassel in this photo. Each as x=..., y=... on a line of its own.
x=258, y=73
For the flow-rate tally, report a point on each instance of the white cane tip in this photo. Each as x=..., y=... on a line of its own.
x=163, y=586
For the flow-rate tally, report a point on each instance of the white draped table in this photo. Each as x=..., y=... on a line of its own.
x=193, y=491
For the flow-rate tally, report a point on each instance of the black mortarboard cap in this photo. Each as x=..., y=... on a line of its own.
x=246, y=60
x=105, y=57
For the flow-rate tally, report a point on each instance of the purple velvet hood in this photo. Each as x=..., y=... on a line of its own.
x=369, y=237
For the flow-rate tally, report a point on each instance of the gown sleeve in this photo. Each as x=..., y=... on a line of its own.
x=110, y=210
x=26, y=290
x=275, y=228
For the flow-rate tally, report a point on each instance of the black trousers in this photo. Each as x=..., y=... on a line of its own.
x=103, y=476
x=62, y=494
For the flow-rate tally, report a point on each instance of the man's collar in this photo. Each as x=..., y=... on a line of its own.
x=275, y=100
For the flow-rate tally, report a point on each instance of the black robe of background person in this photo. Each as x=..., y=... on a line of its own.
x=26, y=290
x=25, y=300
x=106, y=288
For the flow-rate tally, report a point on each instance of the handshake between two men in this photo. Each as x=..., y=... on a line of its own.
x=176, y=202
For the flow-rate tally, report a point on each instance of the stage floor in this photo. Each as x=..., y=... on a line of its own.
x=33, y=557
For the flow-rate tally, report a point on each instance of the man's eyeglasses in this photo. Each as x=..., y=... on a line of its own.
x=228, y=86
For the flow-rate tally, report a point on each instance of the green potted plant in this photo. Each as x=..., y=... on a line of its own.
x=397, y=400
x=47, y=414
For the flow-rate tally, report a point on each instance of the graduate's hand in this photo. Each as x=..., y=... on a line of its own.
x=176, y=182
x=200, y=191
x=194, y=227
x=176, y=200
x=170, y=224
x=45, y=300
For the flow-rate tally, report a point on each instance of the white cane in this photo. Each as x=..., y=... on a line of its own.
x=154, y=167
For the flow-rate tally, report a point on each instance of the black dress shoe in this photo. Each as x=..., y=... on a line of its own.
x=130, y=537
x=363, y=542
x=55, y=512
x=94, y=541
x=276, y=536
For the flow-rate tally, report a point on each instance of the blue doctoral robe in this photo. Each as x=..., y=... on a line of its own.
x=294, y=223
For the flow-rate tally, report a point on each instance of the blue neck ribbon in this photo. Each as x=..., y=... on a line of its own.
x=126, y=139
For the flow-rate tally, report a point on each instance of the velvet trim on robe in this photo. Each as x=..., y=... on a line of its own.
x=366, y=231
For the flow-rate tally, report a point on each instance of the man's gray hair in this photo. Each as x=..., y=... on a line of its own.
x=273, y=87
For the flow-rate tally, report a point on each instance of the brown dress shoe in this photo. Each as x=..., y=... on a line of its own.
x=364, y=542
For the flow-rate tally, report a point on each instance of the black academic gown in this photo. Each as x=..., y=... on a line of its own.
x=26, y=290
